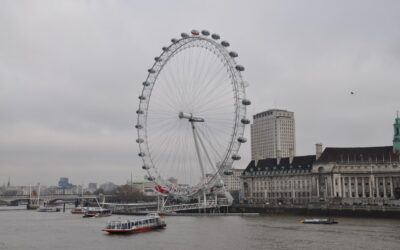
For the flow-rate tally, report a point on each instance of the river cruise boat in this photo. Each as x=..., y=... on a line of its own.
x=79, y=210
x=320, y=221
x=138, y=225
x=97, y=212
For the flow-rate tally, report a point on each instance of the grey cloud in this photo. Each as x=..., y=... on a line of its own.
x=71, y=72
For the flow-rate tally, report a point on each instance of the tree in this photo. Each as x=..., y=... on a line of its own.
x=127, y=194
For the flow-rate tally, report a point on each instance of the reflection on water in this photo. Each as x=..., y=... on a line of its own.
x=42, y=231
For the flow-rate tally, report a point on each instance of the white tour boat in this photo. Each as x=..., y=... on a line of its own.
x=148, y=223
x=97, y=212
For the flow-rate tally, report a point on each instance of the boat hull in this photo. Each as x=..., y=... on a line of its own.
x=136, y=230
x=319, y=221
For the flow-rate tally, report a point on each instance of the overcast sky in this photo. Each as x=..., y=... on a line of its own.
x=71, y=71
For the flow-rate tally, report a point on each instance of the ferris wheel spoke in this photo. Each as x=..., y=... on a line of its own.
x=173, y=79
x=220, y=71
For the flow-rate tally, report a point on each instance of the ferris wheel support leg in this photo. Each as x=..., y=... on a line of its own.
x=195, y=137
x=205, y=200
x=208, y=157
x=196, y=143
x=199, y=204
x=158, y=203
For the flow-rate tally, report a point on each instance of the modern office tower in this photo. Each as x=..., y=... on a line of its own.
x=273, y=134
x=64, y=183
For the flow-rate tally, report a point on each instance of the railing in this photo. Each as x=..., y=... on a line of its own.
x=194, y=206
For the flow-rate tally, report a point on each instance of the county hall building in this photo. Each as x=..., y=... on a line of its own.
x=353, y=176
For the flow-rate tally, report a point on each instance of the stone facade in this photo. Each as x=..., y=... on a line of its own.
x=358, y=175
x=350, y=176
x=279, y=180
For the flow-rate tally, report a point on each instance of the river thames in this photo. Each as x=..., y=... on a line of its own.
x=44, y=231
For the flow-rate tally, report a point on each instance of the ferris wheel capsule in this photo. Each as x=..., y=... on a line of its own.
x=157, y=59
x=145, y=167
x=173, y=40
x=225, y=43
x=184, y=35
x=233, y=54
x=236, y=157
x=139, y=140
x=246, y=102
x=215, y=36
x=195, y=32
x=228, y=172
x=242, y=139
x=165, y=48
x=142, y=97
x=141, y=154
x=205, y=33
x=245, y=121
x=151, y=71
x=138, y=126
x=239, y=67
x=139, y=112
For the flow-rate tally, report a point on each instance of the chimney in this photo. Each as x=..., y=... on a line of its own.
x=318, y=150
x=291, y=155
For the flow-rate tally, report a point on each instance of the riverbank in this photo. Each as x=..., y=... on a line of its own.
x=321, y=210
x=213, y=214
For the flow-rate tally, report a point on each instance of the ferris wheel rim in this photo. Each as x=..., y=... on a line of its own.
x=178, y=45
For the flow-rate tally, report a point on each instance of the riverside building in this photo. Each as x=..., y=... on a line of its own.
x=233, y=182
x=286, y=180
x=346, y=176
x=273, y=134
x=368, y=175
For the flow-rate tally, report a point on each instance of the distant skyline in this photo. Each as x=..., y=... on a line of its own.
x=71, y=72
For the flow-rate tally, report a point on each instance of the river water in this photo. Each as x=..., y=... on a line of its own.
x=23, y=229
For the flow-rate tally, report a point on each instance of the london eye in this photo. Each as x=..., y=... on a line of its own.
x=192, y=115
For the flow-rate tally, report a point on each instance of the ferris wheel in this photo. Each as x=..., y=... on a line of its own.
x=192, y=115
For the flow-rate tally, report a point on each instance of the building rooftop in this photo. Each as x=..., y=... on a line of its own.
x=299, y=163
x=270, y=112
x=358, y=154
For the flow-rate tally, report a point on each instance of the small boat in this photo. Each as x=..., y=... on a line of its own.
x=319, y=221
x=97, y=212
x=79, y=210
x=148, y=223
x=48, y=209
